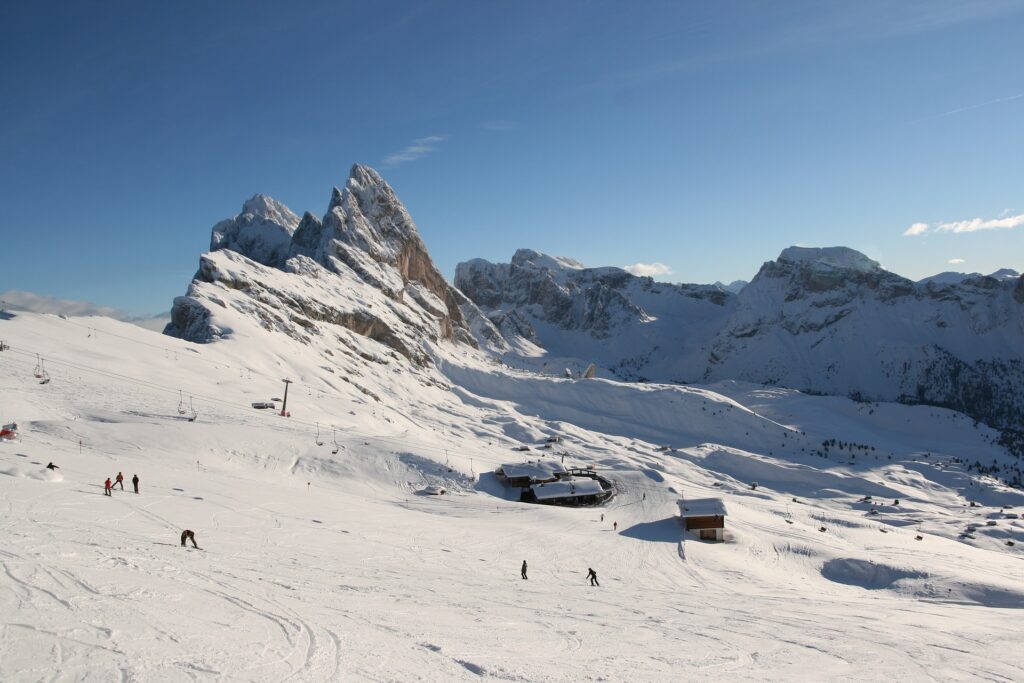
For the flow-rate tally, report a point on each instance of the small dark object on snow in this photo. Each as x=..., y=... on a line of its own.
x=51, y=466
x=821, y=528
x=896, y=501
x=919, y=537
x=190, y=535
x=1009, y=543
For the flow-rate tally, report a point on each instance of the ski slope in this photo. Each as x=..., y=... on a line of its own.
x=318, y=566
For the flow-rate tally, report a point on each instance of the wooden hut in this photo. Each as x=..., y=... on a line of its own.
x=705, y=517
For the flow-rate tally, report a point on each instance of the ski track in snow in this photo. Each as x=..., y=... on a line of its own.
x=357, y=577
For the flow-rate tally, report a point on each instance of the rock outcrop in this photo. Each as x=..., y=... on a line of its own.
x=363, y=267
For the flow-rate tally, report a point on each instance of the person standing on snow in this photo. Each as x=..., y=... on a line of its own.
x=592, y=575
x=189, y=535
x=524, y=569
x=135, y=482
x=107, y=486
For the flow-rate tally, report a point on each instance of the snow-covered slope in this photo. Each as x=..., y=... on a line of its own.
x=321, y=560
x=833, y=321
x=826, y=320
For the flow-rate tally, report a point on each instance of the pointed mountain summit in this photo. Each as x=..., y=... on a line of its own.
x=362, y=267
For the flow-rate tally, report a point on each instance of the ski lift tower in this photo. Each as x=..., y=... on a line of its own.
x=284, y=403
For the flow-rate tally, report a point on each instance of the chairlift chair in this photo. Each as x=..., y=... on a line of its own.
x=44, y=376
x=317, y=437
x=38, y=371
x=192, y=410
x=334, y=438
x=181, y=403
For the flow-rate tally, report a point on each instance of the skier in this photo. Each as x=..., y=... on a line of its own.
x=135, y=482
x=189, y=535
x=615, y=526
x=592, y=575
x=119, y=480
x=51, y=466
x=602, y=516
x=107, y=486
x=523, y=571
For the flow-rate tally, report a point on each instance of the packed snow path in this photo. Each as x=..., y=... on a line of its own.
x=354, y=576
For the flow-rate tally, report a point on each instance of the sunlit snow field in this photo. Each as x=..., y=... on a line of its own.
x=318, y=566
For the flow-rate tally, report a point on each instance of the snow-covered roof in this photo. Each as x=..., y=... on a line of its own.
x=702, y=507
x=539, y=469
x=567, y=488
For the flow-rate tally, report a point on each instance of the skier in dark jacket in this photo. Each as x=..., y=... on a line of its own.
x=135, y=482
x=524, y=569
x=592, y=575
x=189, y=535
x=119, y=480
x=51, y=466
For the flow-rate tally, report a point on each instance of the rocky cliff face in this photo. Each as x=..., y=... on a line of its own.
x=363, y=268
x=833, y=321
x=638, y=328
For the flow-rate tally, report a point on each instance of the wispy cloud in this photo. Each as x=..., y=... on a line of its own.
x=976, y=224
x=419, y=148
x=1004, y=222
x=648, y=269
x=955, y=261
x=19, y=300
x=501, y=126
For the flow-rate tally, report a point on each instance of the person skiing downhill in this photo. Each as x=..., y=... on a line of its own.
x=51, y=466
x=524, y=569
x=119, y=480
x=135, y=482
x=107, y=486
x=592, y=575
x=189, y=535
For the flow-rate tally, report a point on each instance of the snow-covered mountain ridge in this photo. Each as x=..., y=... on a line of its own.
x=361, y=270
x=824, y=320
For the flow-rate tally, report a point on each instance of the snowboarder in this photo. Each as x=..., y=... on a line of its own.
x=190, y=535
x=592, y=575
x=51, y=466
x=135, y=482
x=107, y=486
x=524, y=569
x=119, y=480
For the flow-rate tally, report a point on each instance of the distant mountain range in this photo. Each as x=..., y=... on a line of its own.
x=359, y=282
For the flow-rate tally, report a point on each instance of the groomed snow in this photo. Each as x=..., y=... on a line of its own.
x=322, y=566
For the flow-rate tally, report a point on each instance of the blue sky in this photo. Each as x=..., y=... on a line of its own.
x=704, y=136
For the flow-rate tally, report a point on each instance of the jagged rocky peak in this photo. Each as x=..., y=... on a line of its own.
x=363, y=266
x=262, y=231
